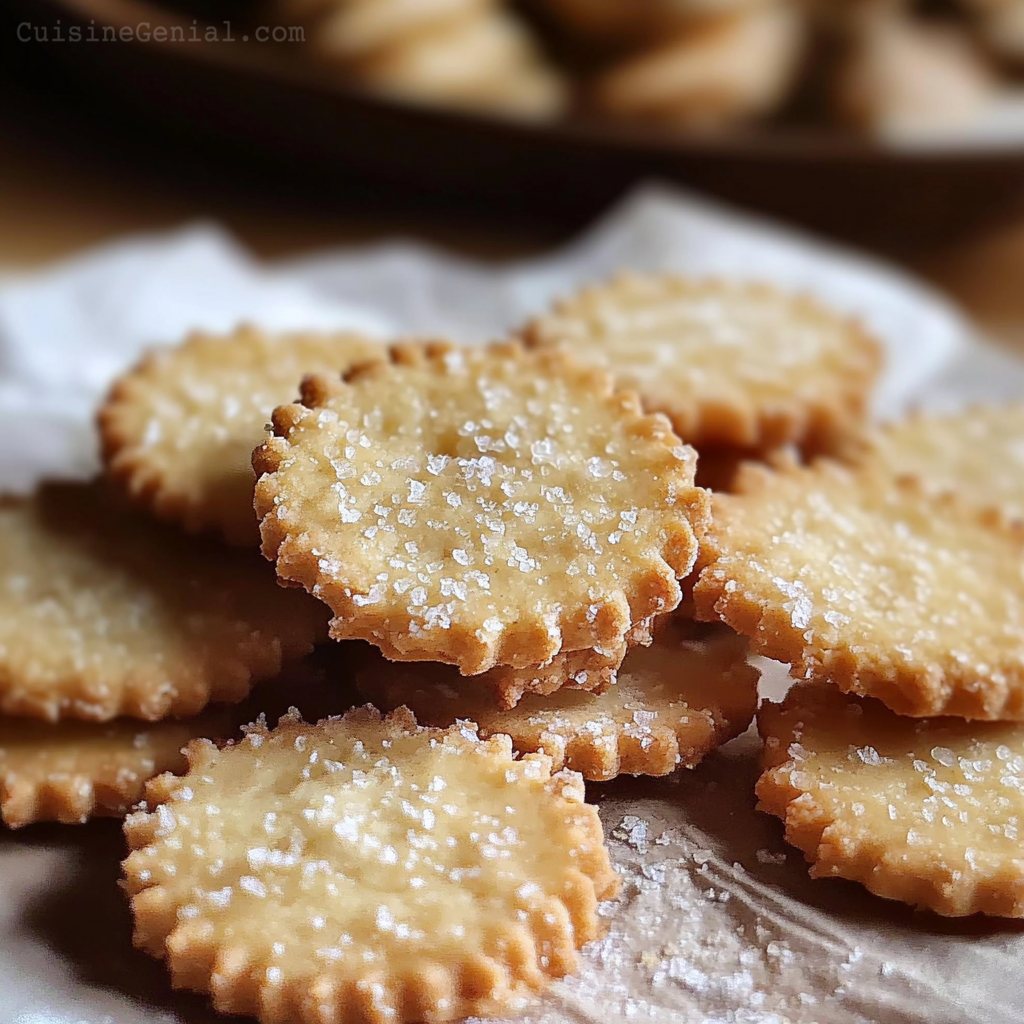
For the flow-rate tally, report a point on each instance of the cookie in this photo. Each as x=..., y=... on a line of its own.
x=178, y=430
x=591, y=670
x=365, y=869
x=873, y=584
x=977, y=453
x=479, y=507
x=906, y=78
x=725, y=69
x=354, y=29
x=673, y=703
x=730, y=364
x=487, y=60
x=73, y=771
x=925, y=811
x=718, y=467
x=104, y=613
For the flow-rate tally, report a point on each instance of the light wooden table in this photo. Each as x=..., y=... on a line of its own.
x=57, y=199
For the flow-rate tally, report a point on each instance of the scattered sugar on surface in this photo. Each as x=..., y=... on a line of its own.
x=686, y=944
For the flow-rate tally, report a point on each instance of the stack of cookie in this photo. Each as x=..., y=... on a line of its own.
x=113, y=624
x=896, y=70
x=365, y=868
x=507, y=534
x=500, y=526
x=887, y=573
x=900, y=71
x=893, y=587
x=459, y=53
x=526, y=577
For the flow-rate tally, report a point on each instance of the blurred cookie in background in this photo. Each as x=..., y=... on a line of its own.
x=464, y=54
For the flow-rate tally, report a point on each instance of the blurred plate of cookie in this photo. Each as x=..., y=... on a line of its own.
x=872, y=122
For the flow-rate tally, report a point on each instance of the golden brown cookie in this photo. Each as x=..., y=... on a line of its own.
x=869, y=582
x=179, y=429
x=673, y=703
x=365, y=869
x=723, y=69
x=479, y=507
x=730, y=364
x=907, y=78
x=592, y=670
x=104, y=613
x=73, y=771
x=977, y=453
x=923, y=811
x=485, y=59
x=355, y=28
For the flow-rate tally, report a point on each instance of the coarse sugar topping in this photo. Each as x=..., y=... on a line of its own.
x=978, y=453
x=367, y=848
x=928, y=811
x=874, y=585
x=729, y=363
x=106, y=613
x=479, y=507
x=179, y=429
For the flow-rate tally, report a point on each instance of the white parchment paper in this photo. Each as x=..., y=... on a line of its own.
x=717, y=921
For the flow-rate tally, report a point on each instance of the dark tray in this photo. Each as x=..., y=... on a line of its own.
x=257, y=100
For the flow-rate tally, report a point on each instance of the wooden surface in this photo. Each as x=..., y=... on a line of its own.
x=60, y=195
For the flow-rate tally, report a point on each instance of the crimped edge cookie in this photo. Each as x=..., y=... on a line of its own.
x=87, y=791
x=625, y=617
x=880, y=449
x=123, y=454
x=908, y=688
x=594, y=670
x=151, y=696
x=483, y=983
x=822, y=426
x=601, y=749
x=833, y=854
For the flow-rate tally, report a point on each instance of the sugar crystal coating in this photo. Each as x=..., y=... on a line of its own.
x=179, y=429
x=590, y=669
x=104, y=613
x=978, y=453
x=927, y=811
x=364, y=869
x=672, y=704
x=72, y=771
x=729, y=363
x=479, y=507
x=872, y=584
x=504, y=686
